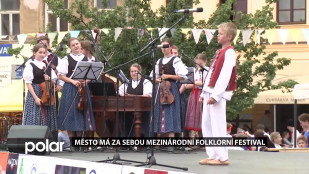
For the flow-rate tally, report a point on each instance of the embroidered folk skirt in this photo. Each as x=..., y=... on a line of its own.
x=70, y=116
x=167, y=117
x=194, y=111
x=32, y=111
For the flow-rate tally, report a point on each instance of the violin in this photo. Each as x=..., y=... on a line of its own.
x=166, y=96
x=47, y=98
x=82, y=97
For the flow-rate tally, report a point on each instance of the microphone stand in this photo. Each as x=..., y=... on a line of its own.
x=120, y=74
x=201, y=66
x=143, y=75
x=151, y=160
x=152, y=45
x=105, y=62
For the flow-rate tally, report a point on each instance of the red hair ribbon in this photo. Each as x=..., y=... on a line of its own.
x=230, y=128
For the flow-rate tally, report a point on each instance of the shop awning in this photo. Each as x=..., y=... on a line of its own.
x=298, y=71
x=277, y=97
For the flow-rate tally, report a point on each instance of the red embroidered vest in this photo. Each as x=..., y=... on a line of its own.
x=217, y=64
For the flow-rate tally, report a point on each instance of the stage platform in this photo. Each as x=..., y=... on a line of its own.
x=241, y=162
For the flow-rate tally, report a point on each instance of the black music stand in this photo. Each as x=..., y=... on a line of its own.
x=85, y=71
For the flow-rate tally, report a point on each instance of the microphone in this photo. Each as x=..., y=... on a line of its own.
x=163, y=46
x=200, y=9
x=143, y=75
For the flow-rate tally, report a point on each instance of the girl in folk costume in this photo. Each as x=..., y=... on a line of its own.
x=52, y=67
x=168, y=69
x=87, y=50
x=137, y=86
x=182, y=88
x=194, y=110
x=74, y=119
x=36, y=113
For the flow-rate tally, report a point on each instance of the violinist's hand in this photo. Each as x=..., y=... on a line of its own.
x=46, y=77
x=165, y=76
x=58, y=88
x=76, y=83
x=211, y=101
x=158, y=80
x=37, y=101
x=83, y=82
x=201, y=99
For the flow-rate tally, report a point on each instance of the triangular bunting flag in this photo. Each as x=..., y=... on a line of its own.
x=161, y=31
x=246, y=36
x=140, y=33
x=74, y=33
x=283, y=34
x=150, y=30
x=117, y=33
x=236, y=37
x=173, y=30
x=51, y=37
x=60, y=36
x=258, y=35
x=306, y=33
x=185, y=32
x=21, y=38
x=40, y=34
x=196, y=34
x=270, y=35
x=3, y=36
x=12, y=37
x=32, y=34
x=105, y=30
x=295, y=34
x=255, y=35
x=209, y=34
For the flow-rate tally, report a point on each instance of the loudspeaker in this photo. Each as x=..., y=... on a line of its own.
x=20, y=134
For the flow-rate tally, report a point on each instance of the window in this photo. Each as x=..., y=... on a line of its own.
x=110, y=4
x=291, y=11
x=239, y=5
x=56, y=24
x=9, y=17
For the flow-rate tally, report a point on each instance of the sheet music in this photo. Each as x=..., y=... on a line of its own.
x=87, y=70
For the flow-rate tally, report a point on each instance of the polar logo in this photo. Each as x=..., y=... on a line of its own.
x=43, y=146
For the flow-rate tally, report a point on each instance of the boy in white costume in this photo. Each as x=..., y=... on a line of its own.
x=218, y=87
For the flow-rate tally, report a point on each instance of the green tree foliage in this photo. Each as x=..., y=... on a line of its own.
x=256, y=68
